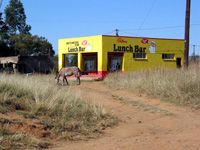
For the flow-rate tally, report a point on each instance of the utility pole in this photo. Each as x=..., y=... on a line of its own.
x=117, y=32
x=193, y=50
x=1, y=2
x=187, y=30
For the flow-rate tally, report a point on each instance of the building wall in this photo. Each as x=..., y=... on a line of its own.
x=79, y=46
x=153, y=59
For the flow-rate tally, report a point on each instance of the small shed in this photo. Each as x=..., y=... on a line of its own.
x=28, y=64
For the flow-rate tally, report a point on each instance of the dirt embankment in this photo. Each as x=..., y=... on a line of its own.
x=146, y=123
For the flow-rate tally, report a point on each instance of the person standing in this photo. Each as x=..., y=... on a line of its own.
x=118, y=67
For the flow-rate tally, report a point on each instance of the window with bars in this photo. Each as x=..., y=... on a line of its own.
x=139, y=55
x=167, y=56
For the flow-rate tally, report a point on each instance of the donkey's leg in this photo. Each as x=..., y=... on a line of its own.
x=63, y=80
x=79, y=80
x=76, y=80
x=66, y=80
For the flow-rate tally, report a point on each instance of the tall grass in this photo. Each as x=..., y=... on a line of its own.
x=59, y=108
x=174, y=85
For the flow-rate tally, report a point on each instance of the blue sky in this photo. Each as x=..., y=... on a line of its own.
x=59, y=19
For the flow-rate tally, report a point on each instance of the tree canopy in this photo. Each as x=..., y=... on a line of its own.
x=4, y=39
x=16, y=17
x=28, y=45
x=15, y=36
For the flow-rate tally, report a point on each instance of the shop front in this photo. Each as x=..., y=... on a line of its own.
x=96, y=56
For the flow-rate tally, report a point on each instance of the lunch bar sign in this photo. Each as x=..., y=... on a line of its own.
x=74, y=46
x=134, y=48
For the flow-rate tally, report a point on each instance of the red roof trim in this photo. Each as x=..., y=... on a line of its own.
x=142, y=37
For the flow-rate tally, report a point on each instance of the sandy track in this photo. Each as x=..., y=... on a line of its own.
x=139, y=129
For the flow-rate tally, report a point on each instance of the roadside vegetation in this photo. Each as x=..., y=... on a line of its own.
x=34, y=111
x=178, y=86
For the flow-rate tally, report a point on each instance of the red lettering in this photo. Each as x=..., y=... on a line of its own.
x=120, y=40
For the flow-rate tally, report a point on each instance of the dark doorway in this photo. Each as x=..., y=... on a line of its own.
x=178, y=62
x=114, y=61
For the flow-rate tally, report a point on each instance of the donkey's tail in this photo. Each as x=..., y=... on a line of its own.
x=80, y=73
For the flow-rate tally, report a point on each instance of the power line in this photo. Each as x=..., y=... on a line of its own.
x=110, y=32
x=146, y=17
x=127, y=32
x=158, y=28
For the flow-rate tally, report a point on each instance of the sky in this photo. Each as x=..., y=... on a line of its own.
x=60, y=19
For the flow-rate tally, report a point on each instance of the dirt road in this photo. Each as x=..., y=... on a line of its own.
x=162, y=126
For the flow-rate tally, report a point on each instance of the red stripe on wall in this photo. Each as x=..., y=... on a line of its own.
x=143, y=37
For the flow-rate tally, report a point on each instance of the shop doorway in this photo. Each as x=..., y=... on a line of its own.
x=114, y=64
x=89, y=63
x=178, y=62
x=115, y=61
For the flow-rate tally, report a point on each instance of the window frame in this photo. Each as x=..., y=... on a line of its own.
x=168, y=56
x=143, y=55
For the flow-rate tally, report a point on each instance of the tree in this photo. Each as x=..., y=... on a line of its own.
x=3, y=30
x=15, y=18
x=28, y=45
x=22, y=43
x=4, y=39
x=43, y=47
x=15, y=37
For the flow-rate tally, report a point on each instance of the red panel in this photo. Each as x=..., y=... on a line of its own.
x=143, y=37
x=89, y=55
x=102, y=74
x=111, y=54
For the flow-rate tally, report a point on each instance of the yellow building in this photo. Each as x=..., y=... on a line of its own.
x=99, y=55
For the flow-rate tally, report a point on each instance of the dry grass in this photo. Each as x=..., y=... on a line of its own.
x=178, y=86
x=58, y=108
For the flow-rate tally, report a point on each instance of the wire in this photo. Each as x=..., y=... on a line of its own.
x=110, y=32
x=160, y=28
x=146, y=17
x=127, y=32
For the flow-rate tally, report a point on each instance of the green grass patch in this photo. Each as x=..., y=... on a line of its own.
x=142, y=106
x=150, y=108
